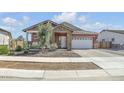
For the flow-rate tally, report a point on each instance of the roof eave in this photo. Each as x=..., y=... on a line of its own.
x=28, y=28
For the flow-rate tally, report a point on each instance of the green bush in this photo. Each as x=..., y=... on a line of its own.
x=18, y=48
x=26, y=51
x=26, y=45
x=4, y=49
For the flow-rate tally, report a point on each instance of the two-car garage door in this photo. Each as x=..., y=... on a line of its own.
x=82, y=42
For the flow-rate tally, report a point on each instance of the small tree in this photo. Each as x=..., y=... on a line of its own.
x=42, y=35
x=45, y=35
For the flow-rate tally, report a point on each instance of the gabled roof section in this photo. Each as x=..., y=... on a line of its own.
x=4, y=30
x=43, y=22
x=1, y=29
x=74, y=28
x=77, y=30
x=115, y=31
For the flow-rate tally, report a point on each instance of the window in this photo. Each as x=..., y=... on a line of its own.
x=103, y=40
x=113, y=39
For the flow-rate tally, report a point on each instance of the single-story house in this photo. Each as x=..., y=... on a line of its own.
x=65, y=35
x=116, y=37
x=19, y=41
x=5, y=37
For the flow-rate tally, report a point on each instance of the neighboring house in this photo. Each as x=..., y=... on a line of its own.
x=65, y=35
x=116, y=37
x=5, y=37
x=18, y=42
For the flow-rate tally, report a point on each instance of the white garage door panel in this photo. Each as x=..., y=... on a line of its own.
x=82, y=43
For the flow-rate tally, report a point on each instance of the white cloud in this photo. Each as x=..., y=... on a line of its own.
x=11, y=21
x=98, y=26
x=14, y=22
x=25, y=18
x=87, y=24
x=66, y=16
x=10, y=24
x=84, y=22
x=93, y=26
x=82, y=19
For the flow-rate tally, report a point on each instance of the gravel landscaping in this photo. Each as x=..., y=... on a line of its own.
x=56, y=53
x=50, y=66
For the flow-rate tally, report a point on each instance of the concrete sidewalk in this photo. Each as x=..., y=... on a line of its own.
x=44, y=59
x=112, y=67
x=60, y=74
x=61, y=59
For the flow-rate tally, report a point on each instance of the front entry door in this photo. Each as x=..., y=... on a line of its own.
x=63, y=42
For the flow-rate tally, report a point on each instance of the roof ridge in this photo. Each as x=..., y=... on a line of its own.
x=73, y=26
x=40, y=23
x=4, y=30
x=81, y=30
x=115, y=31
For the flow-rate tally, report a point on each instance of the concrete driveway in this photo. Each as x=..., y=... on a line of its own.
x=111, y=62
x=114, y=51
x=95, y=53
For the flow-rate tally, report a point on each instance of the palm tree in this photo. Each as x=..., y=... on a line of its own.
x=45, y=34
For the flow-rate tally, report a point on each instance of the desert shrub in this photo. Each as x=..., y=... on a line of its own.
x=18, y=48
x=26, y=51
x=26, y=45
x=53, y=46
x=4, y=49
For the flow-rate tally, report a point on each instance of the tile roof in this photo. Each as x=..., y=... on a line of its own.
x=43, y=22
x=71, y=26
x=77, y=30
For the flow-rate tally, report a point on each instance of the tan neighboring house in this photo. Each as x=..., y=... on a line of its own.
x=65, y=35
x=5, y=37
x=18, y=42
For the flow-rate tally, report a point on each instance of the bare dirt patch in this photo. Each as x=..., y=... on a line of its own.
x=50, y=66
x=56, y=53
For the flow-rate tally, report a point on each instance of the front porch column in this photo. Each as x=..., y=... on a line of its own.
x=27, y=40
x=69, y=40
x=53, y=38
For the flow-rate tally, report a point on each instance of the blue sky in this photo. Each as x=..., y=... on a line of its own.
x=91, y=21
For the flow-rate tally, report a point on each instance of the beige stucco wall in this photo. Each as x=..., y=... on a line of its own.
x=4, y=38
